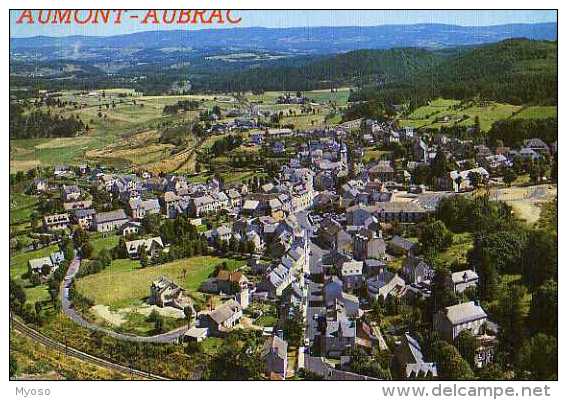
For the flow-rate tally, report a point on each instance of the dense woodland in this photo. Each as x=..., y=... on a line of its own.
x=512, y=132
x=38, y=124
x=513, y=71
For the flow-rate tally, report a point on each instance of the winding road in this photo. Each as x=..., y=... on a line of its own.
x=71, y=312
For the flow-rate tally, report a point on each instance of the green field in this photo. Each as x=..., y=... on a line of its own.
x=124, y=282
x=21, y=207
x=100, y=242
x=457, y=252
x=447, y=112
x=537, y=112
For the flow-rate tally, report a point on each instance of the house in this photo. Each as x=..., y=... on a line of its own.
x=368, y=246
x=222, y=319
x=153, y=247
x=43, y=267
x=40, y=185
x=351, y=274
x=278, y=147
x=56, y=222
x=195, y=334
x=70, y=193
x=410, y=360
x=385, y=284
x=110, y=220
x=382, y=171
x=234, y=197
x=274, y=353
x=332, y=235
x=400, y=211
x=130, y=228
x=450, y=321
x=166, y=293
x=84, y=217
x=61, y=170
x=204, y=205
x=257, y=137
x=339, y=333
x=463, y=280
x=275, y=281
x=537, y=145
x=358, y=215
x=221, y=233
x=140, y=208
x=461, y=181
x=77, y=205
x=400, y=246
x=416, y=270
x=227, y=280
x=333, y=291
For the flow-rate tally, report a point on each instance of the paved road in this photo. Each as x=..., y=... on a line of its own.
x=71, y=312
x=72, y=352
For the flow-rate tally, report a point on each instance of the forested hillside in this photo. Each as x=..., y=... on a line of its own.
x=517, y=71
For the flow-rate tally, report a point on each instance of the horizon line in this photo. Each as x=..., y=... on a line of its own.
x=197, y=28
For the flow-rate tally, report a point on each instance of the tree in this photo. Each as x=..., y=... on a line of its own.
x=87, y=250
x=450, y=364
x=188, y=311
x=151, y=224
x=104, y=257
x=539, y=258
x=239, y=357
x=435, y=237
x=543, y=310
x=293, y=328
x=467, y=344
x=442, y=294
x=80, y=237
x=363, y=364
x=17, y=296
x=538, y=358
x=13, y=366
x=157, y=319
x=144, y=261
x=511, y=316
x=509, y=176
x=476, y=179
x=68, y=250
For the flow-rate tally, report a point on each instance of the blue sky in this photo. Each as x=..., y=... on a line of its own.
x=280, y=19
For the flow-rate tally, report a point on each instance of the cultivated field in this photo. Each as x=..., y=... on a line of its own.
x=124, y=128
x=447, y=112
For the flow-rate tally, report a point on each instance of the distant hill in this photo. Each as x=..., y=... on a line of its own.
x=516, y=71
x=305, y=40
x=360, y=67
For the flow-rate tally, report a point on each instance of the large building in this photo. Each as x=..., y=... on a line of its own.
x=111, y=220
x=450, y=321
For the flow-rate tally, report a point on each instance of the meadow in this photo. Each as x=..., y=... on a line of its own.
x=124, y=282
x=448, y=112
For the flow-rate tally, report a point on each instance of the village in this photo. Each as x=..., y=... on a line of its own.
x=329, y=258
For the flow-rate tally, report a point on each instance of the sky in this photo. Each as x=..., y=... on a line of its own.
x=296, y=18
